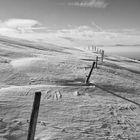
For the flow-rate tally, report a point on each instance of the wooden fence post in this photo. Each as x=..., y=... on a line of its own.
x=95, y=48
x=102, y=55
x=34, y=116
x=88, y=77
x=96, y=63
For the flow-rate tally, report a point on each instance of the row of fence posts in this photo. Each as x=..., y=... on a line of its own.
x=37, y=98
x=94, y=49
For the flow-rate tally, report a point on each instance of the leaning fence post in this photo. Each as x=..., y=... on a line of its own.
x=88, y=77
x=102, y=55
x=88, y=48
x=95, y=48
x=96, y=63
x=34, y=116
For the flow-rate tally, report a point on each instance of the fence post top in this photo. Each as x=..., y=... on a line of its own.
x=37, y=92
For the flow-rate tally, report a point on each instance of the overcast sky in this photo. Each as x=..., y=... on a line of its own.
x=109, y=14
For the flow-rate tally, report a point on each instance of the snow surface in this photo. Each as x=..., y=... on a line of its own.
x=69, y=110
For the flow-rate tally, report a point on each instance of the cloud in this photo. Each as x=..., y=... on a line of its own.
x=30, y=30
x=87, y=33
x=100, y=36
x=19, y=25
x=90, y=3
x=131, y=31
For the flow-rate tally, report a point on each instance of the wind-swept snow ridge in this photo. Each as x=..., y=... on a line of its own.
x=69, y=109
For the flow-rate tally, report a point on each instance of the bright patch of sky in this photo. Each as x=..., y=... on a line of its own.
x=99, y=20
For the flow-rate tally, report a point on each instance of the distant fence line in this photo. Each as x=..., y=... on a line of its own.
x=37, y=98
x=96, y=50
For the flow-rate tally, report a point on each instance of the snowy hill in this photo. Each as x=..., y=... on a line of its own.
x=69, y=110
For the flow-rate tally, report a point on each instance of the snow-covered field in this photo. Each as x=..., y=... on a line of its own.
x=69, y=110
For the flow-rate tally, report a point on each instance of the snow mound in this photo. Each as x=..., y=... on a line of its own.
x=26, y=62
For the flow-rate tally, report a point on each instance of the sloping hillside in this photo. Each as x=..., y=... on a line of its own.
x=69, y=109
